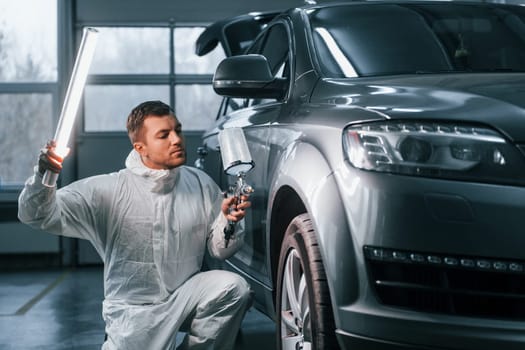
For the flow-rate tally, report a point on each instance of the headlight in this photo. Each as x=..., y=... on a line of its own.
x=455, y=151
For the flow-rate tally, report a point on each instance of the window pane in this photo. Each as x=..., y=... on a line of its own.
x=186, y=61
x=132, y=51
x=107, y=106
x=27, y=124
x=196, y=106
x=28, y=41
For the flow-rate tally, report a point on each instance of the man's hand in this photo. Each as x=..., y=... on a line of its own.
x=49, y=160
x=235, y=211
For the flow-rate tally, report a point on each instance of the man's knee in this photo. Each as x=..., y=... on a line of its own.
x=243, y=290
x=233, y=287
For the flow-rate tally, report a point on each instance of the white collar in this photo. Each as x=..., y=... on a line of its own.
x=163, y=179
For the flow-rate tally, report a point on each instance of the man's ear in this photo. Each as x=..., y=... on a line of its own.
x=140, y=148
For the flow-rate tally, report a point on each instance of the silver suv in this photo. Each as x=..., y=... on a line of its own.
x=388, y=141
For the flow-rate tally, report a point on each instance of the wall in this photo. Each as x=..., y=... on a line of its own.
x=139, y=11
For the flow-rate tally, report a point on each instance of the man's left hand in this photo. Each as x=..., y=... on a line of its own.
x=235, y=211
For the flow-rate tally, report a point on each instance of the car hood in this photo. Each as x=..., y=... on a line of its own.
x=495, y=99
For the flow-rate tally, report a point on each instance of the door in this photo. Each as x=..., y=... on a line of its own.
x=255, y=116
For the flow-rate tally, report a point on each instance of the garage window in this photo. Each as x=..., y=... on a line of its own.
x=28, y=85
x=134, y=64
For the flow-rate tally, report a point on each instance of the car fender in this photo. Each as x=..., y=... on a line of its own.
x=303, y=168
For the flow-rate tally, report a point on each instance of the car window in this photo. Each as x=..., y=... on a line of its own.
x=385, y=39
x=275, y=48
x=230, y=104
x=274, y=45
x=240, y=35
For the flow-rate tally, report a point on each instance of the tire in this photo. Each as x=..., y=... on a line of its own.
x=304, y=313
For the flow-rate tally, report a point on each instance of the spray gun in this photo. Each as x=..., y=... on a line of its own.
x=237, y=161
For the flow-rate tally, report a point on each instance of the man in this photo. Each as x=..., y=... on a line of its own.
x=151, y=223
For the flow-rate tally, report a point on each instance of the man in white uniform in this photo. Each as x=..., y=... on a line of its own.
x=151, y=223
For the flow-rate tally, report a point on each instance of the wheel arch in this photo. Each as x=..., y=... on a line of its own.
x=297, y=191
x=286, y=205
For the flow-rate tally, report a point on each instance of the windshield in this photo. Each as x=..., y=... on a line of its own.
x=383, y=39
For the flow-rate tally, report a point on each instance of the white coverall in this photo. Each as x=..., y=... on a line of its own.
x=151, y=229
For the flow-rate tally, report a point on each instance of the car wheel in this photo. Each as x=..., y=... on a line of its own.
x=304, y=315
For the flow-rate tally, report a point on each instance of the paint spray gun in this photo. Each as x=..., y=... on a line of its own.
x=237, y=161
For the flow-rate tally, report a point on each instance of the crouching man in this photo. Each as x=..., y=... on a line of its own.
x=151, y=223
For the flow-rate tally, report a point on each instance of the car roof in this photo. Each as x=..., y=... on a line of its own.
x=235, y=34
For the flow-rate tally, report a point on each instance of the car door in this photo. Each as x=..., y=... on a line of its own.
x=255, y=117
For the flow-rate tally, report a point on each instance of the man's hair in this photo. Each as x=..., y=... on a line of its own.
x=141, y=112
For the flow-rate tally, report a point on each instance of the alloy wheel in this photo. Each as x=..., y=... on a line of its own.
x=295, y=324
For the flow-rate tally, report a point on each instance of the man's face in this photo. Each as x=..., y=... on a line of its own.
x=161, y=144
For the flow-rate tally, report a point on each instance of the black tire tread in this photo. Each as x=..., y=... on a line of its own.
x=300, y=233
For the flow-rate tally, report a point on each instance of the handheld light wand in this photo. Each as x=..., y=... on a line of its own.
x=237, y=161
x=72, y=99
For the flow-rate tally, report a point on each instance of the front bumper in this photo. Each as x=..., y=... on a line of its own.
x=354, y=341
x=444, y=222
x=386, y=328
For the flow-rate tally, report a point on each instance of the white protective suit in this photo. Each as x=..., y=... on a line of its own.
x=151, y=229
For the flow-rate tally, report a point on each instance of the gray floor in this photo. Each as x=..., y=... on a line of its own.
x=61, y=309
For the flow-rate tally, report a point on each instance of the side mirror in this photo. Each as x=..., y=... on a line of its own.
x=247, y=76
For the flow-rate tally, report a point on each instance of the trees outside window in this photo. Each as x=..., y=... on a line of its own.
x=28, y=82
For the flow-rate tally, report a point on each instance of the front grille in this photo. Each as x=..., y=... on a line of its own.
x=455, y=285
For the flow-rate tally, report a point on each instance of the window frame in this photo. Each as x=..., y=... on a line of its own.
x=9, y=193
x=171, y=79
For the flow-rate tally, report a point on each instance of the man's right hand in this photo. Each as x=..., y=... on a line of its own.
x=49, y=160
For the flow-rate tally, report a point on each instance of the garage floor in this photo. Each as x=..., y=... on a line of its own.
x=61, y=309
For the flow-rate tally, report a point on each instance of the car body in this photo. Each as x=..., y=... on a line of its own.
x=388, y=141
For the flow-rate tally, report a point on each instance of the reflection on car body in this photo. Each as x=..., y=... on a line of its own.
x=389, y=143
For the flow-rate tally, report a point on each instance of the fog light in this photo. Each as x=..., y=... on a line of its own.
x=399, y=255
x=434, y=259
x=417, y=257
x=483, y=264
x=516, y=267
x=499, y=265
x=451, y=261
x=467, y=263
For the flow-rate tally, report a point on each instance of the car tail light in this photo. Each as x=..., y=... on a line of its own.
x=454, y=151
